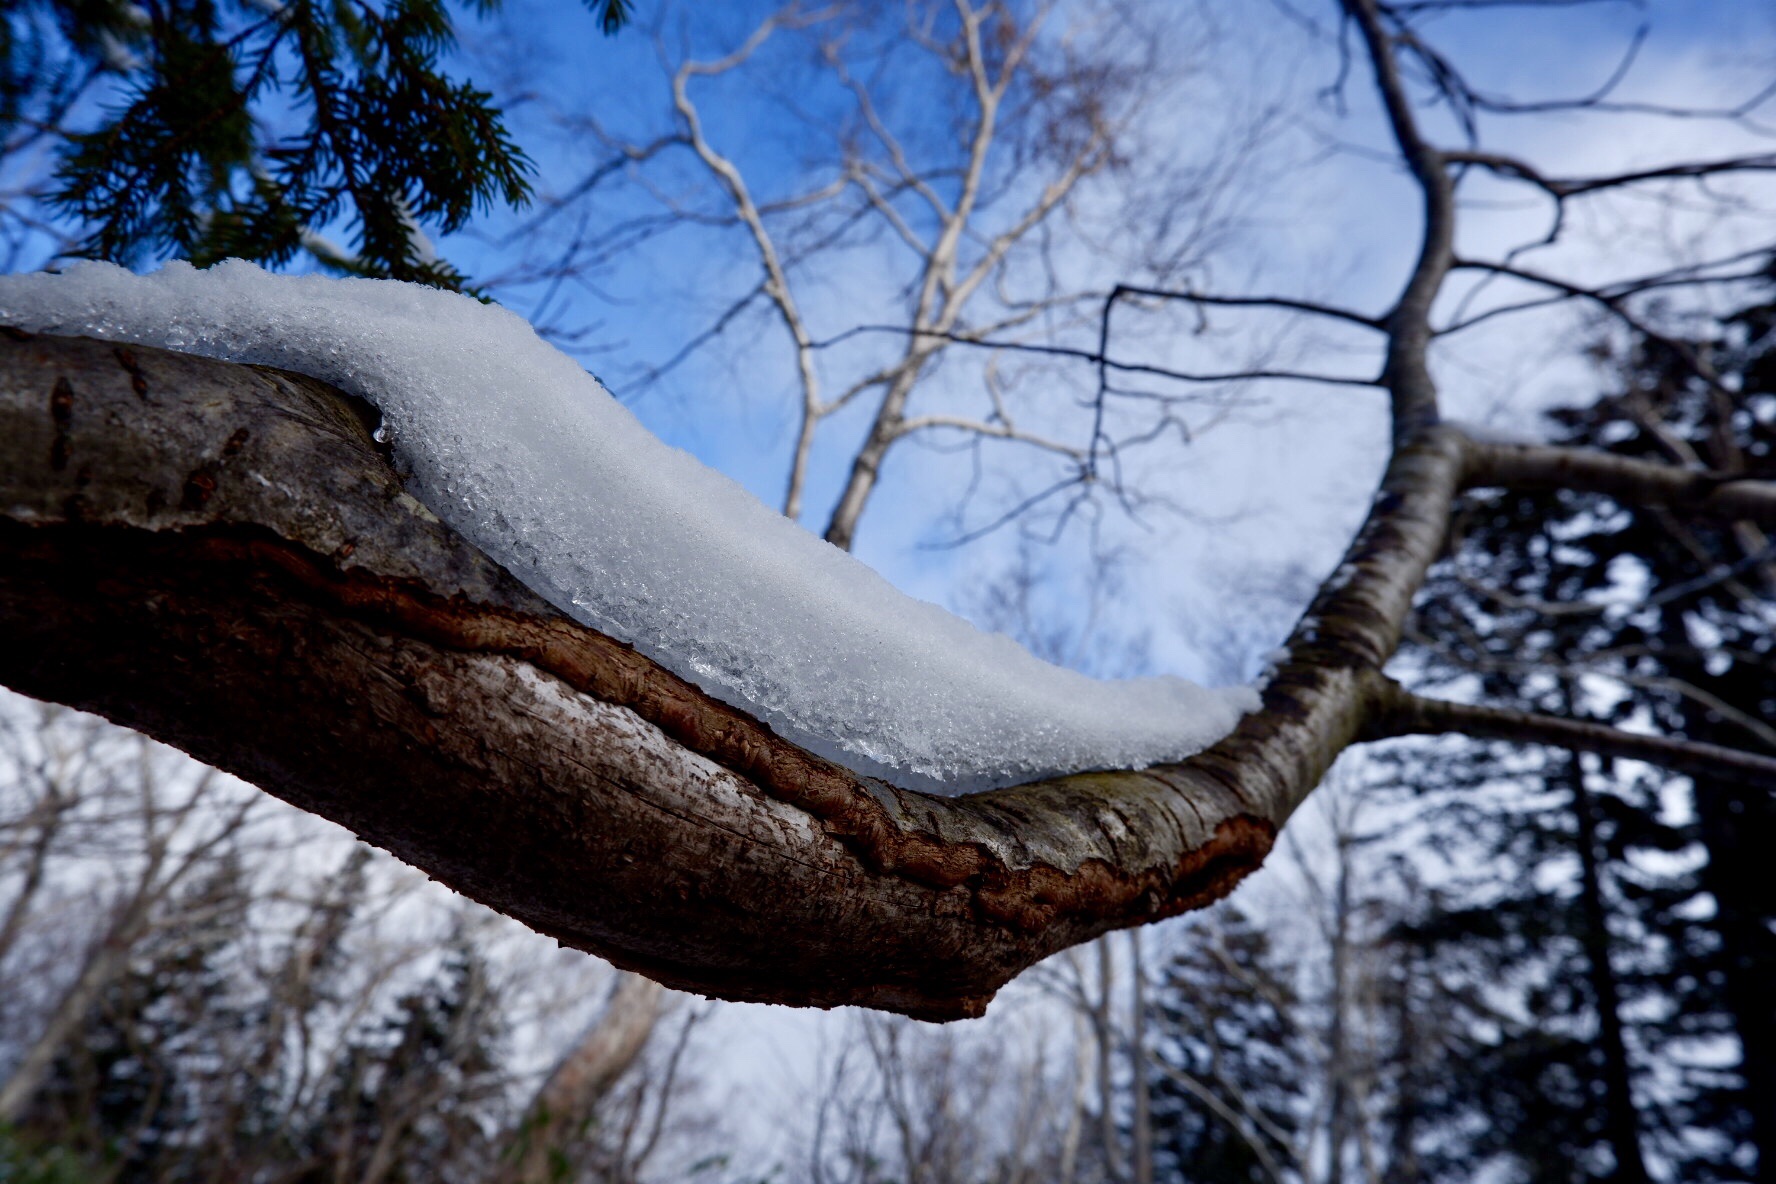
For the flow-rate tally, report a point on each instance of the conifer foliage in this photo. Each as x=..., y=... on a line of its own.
x=205, y=129
x=1228, y=1062
x=1601, y=979
x=204, y=1063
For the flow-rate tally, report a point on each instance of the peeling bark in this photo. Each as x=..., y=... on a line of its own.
x=222, y=557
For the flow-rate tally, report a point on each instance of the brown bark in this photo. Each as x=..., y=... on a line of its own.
x=221, y=557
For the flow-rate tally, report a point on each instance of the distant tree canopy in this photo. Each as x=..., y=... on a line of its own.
x=206, y=129
x=1602, y=1013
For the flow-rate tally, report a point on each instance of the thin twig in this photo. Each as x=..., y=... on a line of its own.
x=1094, y=357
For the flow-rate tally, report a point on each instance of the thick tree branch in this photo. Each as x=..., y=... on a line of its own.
x=220, y=557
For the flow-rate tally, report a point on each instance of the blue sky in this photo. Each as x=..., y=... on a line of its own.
x=1310, y=212
x=1265, y=497
x=1260, y=496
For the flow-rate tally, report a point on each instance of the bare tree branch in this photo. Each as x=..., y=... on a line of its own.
x=1632, y=482
x=1610, y=301
x=1564, y=187
x=1406, y=372
x=776, y=282
x=452, y=717
x=1286, y=303
x=997, y=430
x=973, y=338
x=1399, y=712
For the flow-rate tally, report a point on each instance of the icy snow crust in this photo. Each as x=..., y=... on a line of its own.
x=526, y=455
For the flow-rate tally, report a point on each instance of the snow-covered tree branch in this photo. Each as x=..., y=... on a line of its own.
x=427, y=622
x=265, y=565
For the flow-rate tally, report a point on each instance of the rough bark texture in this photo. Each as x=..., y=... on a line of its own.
x=221, y=557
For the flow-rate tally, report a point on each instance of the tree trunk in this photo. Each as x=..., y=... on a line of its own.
x=1621, y=1122
x=1141, y=1129
x=1735, y=818
x=1403, y=1163
x=866, y=466
x=1104, y=1028
x=568, y=1098
x=1338, y=1052
x=104, y=964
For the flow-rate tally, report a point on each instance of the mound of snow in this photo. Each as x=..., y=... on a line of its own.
x=526, y=455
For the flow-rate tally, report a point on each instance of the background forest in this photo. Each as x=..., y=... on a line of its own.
x=874, y=261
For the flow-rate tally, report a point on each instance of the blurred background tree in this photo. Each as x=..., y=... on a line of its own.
x=1509, y=965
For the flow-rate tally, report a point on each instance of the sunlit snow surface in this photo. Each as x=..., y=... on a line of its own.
x=525, y=454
